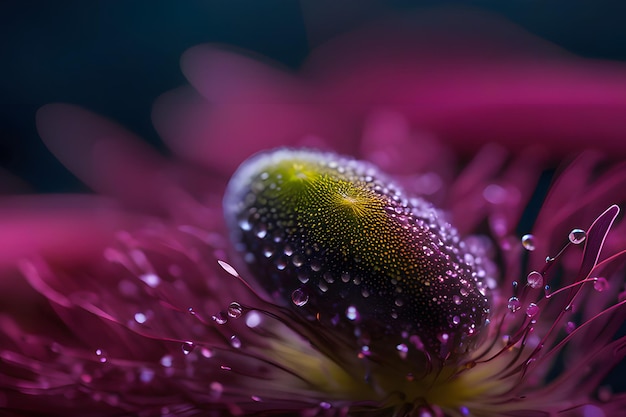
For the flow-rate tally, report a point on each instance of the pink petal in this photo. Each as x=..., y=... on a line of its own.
x=109, y=158
x=60, y=227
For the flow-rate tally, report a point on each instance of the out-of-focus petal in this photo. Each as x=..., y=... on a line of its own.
x=468, y=78
x=248, y=106
x=59, y=227
x=473, y=79
x=113, y=161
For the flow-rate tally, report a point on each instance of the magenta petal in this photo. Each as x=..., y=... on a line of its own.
x=59, y=227
x=596, y=236
x=490, y=84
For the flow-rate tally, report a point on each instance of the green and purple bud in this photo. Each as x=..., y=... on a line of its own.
x=338, y=241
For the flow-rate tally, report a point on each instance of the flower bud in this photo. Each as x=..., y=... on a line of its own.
x=339, y=242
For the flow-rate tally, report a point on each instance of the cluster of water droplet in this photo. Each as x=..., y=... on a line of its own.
x=536, y=279
x=149, y=288
x=526, y=300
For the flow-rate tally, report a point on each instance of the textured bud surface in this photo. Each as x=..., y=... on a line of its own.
x=342, y=244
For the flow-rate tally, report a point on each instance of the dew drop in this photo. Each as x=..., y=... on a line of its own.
x=514, y=304
x=256, y=398
x=216, y=389
x=528, y=242
x=101, y=356
x=456, y=320
x=456, y=300
x=534, y=279
x=253, y=319
x=324, y=405
x=547, y=290
x=577, y=236
x=297, y=261
x=299, y=297
x=140, y=318
x=235, y=342
x=166, y=361
x=365, y=352
x=403, y=350
x=188, y=347
x=281, y=264
x=151, y=280
x=532, y=310
x=261, y=232
x=316, y=266
x=245, y=225
x=206, y=352
x=600, y=284
x=570, y=327
x=220, y=318
x=235, y=310
x=352, y=313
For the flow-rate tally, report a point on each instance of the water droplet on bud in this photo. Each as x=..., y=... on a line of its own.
x=299, y=297
x=352, y=313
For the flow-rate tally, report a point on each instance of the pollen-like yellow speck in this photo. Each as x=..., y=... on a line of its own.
x=357, y=204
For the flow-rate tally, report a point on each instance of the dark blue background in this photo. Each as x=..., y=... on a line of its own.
x=116, y=56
